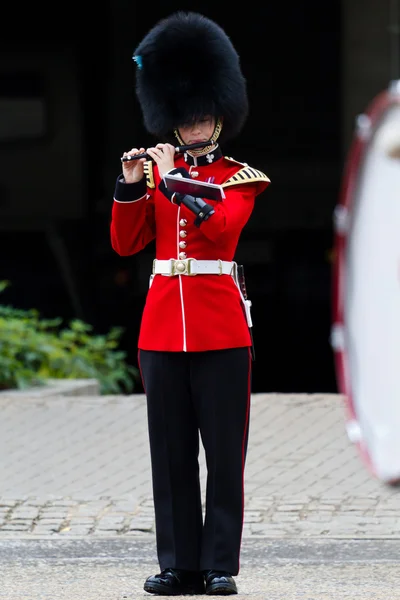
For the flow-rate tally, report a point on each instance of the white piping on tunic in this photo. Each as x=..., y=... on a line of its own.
x=180, y=283
x=130, y=201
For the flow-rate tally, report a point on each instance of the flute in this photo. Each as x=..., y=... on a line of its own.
x=178, y=149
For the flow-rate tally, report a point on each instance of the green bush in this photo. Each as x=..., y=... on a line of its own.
x=33, y=349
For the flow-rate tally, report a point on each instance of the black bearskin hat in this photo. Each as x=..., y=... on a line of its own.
x=187, y=68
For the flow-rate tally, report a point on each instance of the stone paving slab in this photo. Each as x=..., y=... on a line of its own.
x=73, y=466
x=56, y=387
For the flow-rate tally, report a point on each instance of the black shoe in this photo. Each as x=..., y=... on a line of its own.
x=220, y=583
x=175, y=582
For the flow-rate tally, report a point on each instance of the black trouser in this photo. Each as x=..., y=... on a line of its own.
x=188, y=392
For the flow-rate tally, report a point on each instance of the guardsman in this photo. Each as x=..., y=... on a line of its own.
x=195, y=336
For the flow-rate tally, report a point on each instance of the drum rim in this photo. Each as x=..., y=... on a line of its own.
x=354, y=160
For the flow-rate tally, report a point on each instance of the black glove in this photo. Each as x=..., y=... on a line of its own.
x=201, y=209
x=163, y=188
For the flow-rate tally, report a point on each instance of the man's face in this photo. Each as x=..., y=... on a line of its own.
x=198, y=131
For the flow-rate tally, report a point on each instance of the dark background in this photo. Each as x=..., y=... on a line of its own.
x=56, y=188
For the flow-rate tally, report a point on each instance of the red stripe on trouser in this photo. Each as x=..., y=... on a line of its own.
x=140, y=371
x=245, y=434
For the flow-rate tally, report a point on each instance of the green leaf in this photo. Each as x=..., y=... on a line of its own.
x=33, y=349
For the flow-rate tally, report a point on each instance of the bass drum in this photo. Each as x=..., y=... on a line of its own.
x=365, y=334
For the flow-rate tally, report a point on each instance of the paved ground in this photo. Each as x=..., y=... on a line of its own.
x=114, y=569
x=71, y=466
x=76, y=512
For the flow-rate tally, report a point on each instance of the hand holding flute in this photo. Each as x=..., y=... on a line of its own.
x=128, y=156
x=162, y=154
x=133, y=171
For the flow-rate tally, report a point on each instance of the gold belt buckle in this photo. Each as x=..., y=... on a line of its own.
x=183, y=267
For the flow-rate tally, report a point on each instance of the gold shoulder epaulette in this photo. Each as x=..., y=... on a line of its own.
x=148, y=171
x=246, y=175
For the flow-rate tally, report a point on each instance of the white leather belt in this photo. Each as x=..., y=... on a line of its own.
x=192, y=266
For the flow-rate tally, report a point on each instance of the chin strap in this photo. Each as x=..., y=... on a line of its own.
x=213, y=139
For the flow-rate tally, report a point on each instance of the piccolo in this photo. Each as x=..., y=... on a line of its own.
x=178, y=149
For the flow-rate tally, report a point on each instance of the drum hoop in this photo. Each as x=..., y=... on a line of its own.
x=352, y=168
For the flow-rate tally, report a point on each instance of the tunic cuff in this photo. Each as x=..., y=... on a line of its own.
x=128, y=192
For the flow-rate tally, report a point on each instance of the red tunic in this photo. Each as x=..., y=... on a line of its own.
x=189, y=313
